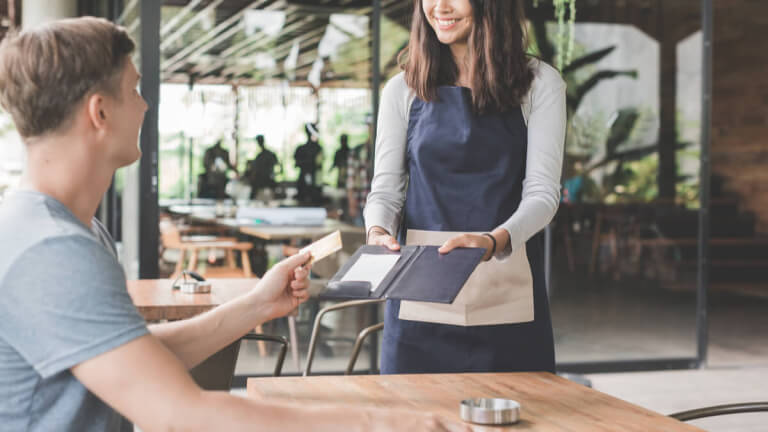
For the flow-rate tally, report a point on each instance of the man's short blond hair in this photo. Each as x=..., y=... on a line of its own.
x=46, y=71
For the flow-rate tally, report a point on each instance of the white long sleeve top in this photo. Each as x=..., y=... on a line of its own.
x=544, y=111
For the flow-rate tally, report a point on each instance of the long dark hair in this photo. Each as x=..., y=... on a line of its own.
x=499, y=71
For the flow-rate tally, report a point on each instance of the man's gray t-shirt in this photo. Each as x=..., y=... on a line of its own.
x=63, y=300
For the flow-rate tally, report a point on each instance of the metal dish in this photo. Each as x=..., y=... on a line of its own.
x=195, y=287
x=490, y=411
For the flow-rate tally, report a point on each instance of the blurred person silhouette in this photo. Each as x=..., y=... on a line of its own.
x=212, y=182
x=340, y=160
x=309, y=157
x=260, y=172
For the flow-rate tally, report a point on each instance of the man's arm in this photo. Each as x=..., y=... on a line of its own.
x=146, y=383
x=276, y=294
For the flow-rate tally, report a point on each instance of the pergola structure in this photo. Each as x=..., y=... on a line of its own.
x=253, y=42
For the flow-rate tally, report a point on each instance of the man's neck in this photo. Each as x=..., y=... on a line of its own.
x=64, y=170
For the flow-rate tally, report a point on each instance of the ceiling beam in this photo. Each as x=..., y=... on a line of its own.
x=178, y=17
x=246, y=46
x=181, y=31
x=221, y=32
x=311, y=7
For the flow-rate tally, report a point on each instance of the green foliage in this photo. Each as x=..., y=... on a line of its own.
x=565, y=30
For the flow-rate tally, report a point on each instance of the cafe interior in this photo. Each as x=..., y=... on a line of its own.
x=259, y=141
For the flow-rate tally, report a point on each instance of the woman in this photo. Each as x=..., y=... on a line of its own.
x=470, y=141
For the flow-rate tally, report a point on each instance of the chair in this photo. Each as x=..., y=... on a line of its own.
x=216, y=372
x=358, y=341
x=719, y=410
x=171, y=238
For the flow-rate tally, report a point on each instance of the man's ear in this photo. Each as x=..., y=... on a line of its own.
x=96, y=111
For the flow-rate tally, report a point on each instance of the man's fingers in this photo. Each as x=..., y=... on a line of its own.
x=295, y=260
x=299, y=284
x=300, y=273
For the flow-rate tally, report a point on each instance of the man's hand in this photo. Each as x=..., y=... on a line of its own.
x=380, y=237
x=284, y=286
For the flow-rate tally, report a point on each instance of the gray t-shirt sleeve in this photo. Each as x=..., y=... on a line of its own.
x=66, y=302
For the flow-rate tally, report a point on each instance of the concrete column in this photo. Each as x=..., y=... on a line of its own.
x=35, y=12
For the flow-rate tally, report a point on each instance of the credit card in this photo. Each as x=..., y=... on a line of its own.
x=323, y=247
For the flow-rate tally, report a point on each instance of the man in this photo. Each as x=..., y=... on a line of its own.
x=73, y=349
x=212, y=183
x=309, y=157
x=260, y=172
x=340, y=161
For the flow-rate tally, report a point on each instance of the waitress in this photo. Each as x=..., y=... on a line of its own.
x=470, y=144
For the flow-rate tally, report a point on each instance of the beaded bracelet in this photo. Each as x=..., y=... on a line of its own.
x=493, y=239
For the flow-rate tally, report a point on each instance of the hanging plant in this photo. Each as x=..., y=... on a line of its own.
x=565, y=30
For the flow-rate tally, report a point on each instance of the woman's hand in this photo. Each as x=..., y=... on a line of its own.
x=478, y=241
x=285, y=285
x=380, y=237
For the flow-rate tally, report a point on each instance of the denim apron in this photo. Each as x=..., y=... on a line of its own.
x=466, y=173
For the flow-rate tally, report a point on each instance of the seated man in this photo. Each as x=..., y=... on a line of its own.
x=73, y=350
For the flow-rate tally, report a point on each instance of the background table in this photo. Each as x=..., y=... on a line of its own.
x=548, y=402
x=156, y=300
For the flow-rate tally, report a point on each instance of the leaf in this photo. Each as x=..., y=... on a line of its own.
x=587, y=59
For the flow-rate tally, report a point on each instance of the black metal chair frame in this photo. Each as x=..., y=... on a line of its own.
x=719, y=410
x=358, y=342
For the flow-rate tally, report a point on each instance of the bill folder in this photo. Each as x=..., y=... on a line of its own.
x=418, y=273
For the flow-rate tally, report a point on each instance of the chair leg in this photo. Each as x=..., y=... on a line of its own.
x=193, y=259
x=359, y=344
x=231, y=258
x=260, y=343
x=595, y=242
x=179, y=265
x=294, y=342
x=246, y=261
x=316, y=326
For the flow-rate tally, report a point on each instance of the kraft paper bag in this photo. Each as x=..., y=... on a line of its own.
x=497, y=292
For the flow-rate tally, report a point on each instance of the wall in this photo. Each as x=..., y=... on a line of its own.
x=740, y=103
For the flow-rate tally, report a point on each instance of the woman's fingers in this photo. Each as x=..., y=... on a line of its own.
x=468, y=241
x=385, y=240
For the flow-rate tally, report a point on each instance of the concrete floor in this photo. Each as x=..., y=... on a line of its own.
x=668, y=392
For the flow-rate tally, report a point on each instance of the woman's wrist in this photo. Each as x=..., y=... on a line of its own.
x=502, y=239
x=493, y=244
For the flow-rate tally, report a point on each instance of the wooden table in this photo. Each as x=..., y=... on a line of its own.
x=548, y=402
x=156, y=300
x=287, y=232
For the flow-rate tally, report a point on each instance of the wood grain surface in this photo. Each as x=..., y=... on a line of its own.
x=156, y=300
x=548, y=402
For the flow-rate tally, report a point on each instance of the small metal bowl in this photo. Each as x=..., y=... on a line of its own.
x=195, y=287
x=490, y=411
